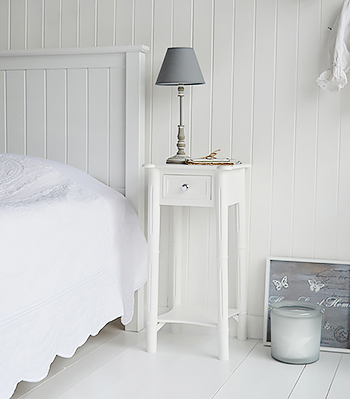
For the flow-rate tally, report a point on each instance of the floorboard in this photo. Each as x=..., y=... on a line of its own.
x=115, y=365
x=317, y=377
x=166, y=374
x=340, y=387
x=260, y=376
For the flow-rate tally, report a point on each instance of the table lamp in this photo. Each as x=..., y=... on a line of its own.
x=180, y=67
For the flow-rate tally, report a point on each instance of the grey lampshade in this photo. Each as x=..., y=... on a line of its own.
x=180, y=66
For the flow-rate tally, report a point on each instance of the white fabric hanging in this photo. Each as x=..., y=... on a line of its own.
x=334, y=78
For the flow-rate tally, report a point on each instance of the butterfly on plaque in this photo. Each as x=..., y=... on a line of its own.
x=281, y=284
x=315, y=285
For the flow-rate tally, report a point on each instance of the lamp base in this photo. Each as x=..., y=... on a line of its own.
x=179, y=159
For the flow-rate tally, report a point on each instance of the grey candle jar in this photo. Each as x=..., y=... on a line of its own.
x=296, y=331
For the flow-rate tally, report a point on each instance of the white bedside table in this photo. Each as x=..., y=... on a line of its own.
x=202, y=186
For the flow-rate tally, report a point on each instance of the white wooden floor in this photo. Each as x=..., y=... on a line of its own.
x=114, y=365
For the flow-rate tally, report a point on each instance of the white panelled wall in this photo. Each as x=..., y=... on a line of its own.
x=260, y=104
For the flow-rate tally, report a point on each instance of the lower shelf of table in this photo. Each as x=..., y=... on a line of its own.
x=193, y=315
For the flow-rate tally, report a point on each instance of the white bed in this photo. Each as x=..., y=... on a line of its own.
x=72, y=248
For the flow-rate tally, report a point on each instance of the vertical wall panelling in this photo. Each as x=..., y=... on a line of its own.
x=260, y=104
x=18, y=24
x=182, y=37
x=200, y=139
x=35, y=24
x=162, y=120
x=284, y=125
x=144, y=10
x=36, y=113
x=53, y=23
x=182, y=25
x=69, y=23
x=165, y=257
x=243, y=79
x=87, y=23
x=243, y=92
x=306, y=129
x=343, y=216
x=327, y=148
x=43, y=31
x=198, y=262
x=125, y=22
x=96, y=22
x=4, y=25
x=78, y=23
x=162, y=96
x=262, y=148
x=26, y=24
x=222, y=76
x=105, y=24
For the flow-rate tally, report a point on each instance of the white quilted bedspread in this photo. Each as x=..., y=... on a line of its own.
x=72, y=255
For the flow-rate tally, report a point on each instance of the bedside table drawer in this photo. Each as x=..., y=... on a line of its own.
x=188, y=187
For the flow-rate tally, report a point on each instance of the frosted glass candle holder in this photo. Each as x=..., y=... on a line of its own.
x=296, y=332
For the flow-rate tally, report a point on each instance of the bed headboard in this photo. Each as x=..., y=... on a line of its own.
x=84, y=107
x=81, y=106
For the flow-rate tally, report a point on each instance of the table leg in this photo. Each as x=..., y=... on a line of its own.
x=177, y=261
x=153, y=256
x=242, y=271
x=222, y=268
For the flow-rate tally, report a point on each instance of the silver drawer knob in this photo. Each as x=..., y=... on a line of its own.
x=185, y=187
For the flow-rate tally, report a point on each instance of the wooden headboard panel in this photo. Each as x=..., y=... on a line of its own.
x=82, y=106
